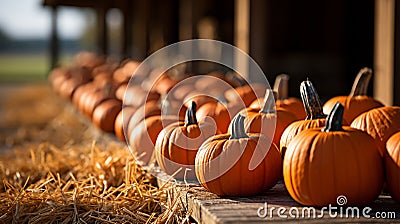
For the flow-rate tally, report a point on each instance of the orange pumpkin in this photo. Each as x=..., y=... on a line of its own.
x=247, y=94
x=144, y=135
x=238, y=164
x=357, y=102
x=105, y=113
x=322, y=164
x=177, y=144
x=220, y=113
x=380, y=123
x=268, y=119
x=315, y=116
x=121, y=122
x=199, y=98
x=283, y=101
x=392, y=166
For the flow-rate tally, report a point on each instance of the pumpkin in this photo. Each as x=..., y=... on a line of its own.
x=213, y=83
x=92, y=100
x=200, y=98
x=392, y=166
x=135, y=96
x=238, y=164
x=357, y=102
x=177, y=144
x=267, y=119
x=247, y=94
x=144, y=135
x=105, y=113
x=163, y=84
x=380, y=123
x=89, y=60
x=220, y=113
x=122, y=120
x=315, y=117
x=151, y=108
x=283, y=101
x=322, y=164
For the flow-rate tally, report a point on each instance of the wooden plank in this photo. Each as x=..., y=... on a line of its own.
x=206, y=207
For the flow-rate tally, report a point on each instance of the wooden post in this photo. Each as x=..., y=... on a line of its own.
x=102, y=30
x=384, y=50
x=242, y=35
x=54, y=51
x=127, y=30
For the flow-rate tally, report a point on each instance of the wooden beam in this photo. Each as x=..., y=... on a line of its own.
x=384, y=50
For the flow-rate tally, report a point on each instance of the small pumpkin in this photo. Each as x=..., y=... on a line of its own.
x=122, y=120
x=315, y=117
x=283, y=101
x=135, y=95
x=267, y=119
x=392, y=166
x=143, y=137
x=247, y=93
x=322, y=164
x=220, y=113
x=357, y=102
x=177, y=144
x=105, y=113
x=200, y=98
x=238, y=164
x=380, y=123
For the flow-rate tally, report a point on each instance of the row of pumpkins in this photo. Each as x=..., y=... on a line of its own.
x=242, y=144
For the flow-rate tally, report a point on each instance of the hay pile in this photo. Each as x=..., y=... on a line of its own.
x=65, y=171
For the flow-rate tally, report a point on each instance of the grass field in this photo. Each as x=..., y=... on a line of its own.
x=24, y=67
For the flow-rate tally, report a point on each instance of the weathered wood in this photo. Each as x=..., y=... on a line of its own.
x=206, y=207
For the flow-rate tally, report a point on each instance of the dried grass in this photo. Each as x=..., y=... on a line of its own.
x=69, y=172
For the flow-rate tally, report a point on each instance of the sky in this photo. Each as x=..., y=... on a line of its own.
x=25, y=19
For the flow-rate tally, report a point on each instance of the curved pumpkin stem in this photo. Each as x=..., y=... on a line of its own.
x=237, y=127
x=269, y=102
x=281, y=86
x=360, y=85
x=311, y=101
x=334, y=119
x=190, y=116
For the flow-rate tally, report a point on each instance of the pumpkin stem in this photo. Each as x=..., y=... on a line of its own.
x=190, y=116
x=237, y=127
x=269, y=102
x=334, y=119
x=360, y=85
x=311, y=101
x=281, y=86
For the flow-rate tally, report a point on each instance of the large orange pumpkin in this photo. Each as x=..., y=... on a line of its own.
x=380, y=123
x=238, y=164
x=357, y=102
x=392, y=166
x=315, y=116
x=322, y=164
x=177, y=144
x=268, y=119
